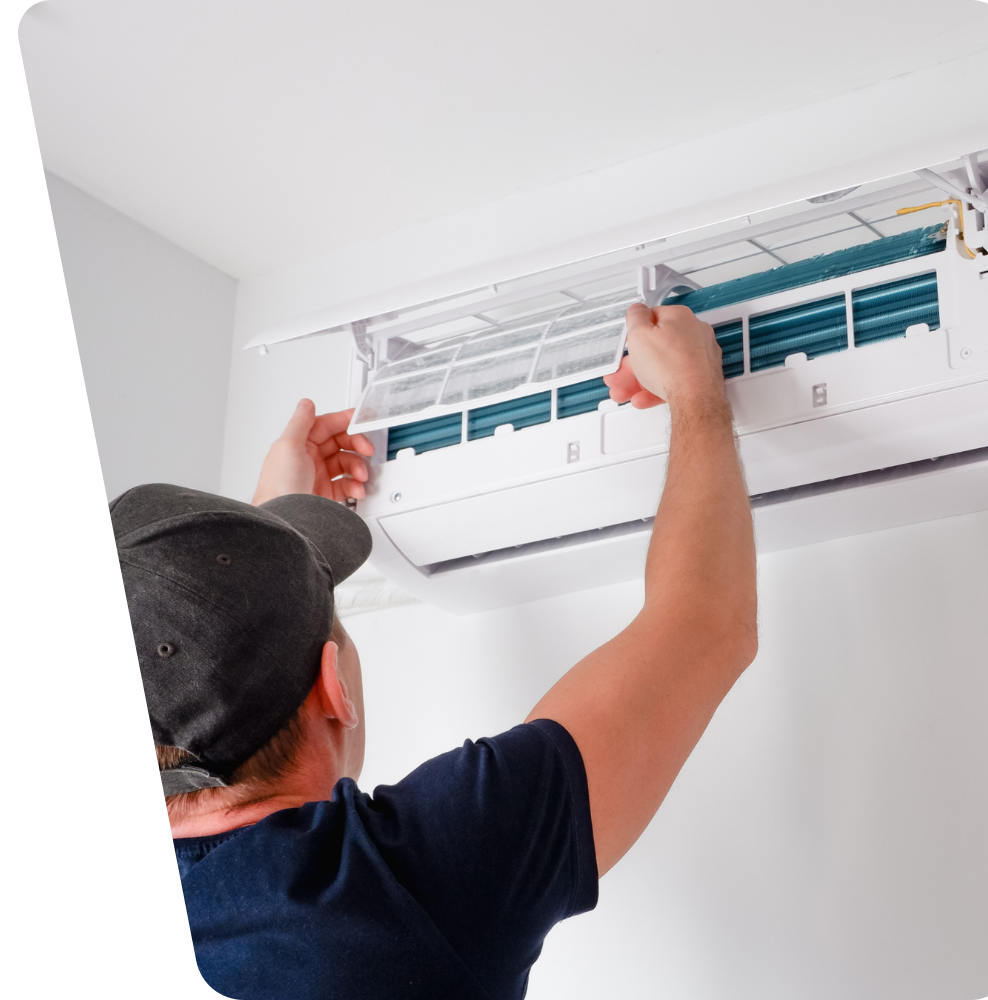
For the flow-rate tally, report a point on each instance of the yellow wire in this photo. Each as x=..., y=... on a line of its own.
x=960, y=224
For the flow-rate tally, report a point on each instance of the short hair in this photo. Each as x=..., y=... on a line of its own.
x=276, y=759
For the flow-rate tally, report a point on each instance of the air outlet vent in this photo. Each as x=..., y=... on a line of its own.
x=886, y=311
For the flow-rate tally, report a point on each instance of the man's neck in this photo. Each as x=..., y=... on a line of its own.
x=325, y=755
x=221, y=817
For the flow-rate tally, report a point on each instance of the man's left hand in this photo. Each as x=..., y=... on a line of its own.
x=315, y=455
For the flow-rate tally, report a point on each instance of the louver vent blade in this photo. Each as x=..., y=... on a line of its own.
x=426, y=435
x=572, y=400
x=730, y=336
x=524, y=412
x=814, y=328
x=885, y=311
x=888, y=250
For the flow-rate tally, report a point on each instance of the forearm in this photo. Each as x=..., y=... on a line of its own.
x=637, y=705
x=700, y=571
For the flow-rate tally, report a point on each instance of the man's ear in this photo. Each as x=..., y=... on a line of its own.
x=333, y=699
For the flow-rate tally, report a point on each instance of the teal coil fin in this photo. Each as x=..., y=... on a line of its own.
x=426, y=435
x=888, y=250
x=730, y=336
x=583, y=397
x=814, y=328
x=524, y=412
x=885, y=311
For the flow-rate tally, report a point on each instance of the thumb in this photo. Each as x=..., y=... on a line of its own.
x=639, y=314
x=298, y=427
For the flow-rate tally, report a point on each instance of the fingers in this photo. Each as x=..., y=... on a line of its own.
x=298, y=427
x=340, y=489
x=346, y=463
x=644, y=399
x=329, y=432
x=639, y=315
x=341, y=476
x=348, y=488
x=623, y=384
x=328, y=425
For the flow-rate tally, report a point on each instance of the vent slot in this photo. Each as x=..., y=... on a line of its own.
x=814, y=328
x=524, y=412
x=730, y=336
x=885, y=311
x=426, y=435
x=584, y=397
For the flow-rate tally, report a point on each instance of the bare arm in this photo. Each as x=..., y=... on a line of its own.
x=637, y=706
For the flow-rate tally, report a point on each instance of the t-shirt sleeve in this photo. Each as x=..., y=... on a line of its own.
x=494, y=841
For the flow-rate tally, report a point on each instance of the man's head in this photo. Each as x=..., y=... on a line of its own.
x=233, y=616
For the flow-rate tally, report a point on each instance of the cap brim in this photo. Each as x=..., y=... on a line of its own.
x=339, y=534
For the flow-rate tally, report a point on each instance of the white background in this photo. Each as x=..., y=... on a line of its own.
x=826, y=838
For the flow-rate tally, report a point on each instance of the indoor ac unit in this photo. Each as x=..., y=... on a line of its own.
x=855, y=348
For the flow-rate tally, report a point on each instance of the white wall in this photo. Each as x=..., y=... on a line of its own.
x=827, y=837
x=154, y=326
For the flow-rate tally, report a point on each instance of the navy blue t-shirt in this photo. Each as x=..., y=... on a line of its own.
x=442, y=886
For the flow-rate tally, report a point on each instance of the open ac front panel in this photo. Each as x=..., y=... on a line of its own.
x=843, y=389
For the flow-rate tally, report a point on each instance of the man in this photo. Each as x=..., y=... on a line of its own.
x=444, y=885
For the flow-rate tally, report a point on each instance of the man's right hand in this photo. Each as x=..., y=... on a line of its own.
x=671, y=355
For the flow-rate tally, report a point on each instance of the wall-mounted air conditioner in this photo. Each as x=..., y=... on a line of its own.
x=855, y=348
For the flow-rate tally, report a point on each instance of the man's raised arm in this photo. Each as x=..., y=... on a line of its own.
x=637, y=705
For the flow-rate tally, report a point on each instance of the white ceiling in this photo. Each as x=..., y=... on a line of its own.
x=259, y=133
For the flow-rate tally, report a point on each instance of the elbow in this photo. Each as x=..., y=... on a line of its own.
x=736, y=645
x=746, y=648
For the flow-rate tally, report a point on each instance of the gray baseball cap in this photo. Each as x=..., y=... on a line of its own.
x=231, y=606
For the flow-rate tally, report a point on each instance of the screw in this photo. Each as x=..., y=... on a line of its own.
x=966, y=353
x=396, y=496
